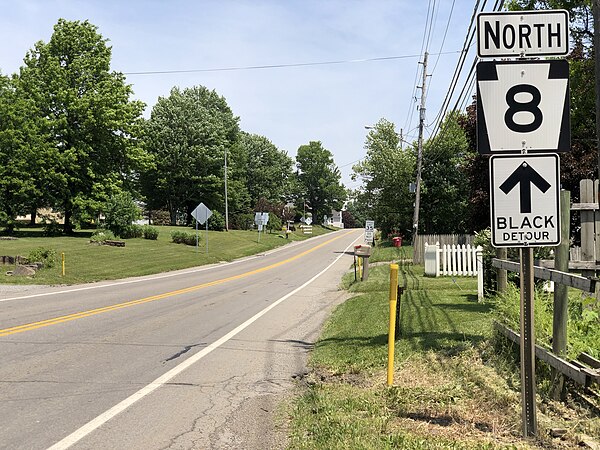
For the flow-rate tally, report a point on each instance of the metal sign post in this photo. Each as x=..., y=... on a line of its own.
x=527, y=343
x=201, y=213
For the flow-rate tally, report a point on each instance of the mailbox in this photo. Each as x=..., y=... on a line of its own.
x=362, y=250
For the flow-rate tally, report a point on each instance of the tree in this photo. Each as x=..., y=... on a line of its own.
x=476, y=171
x=580, y=14
x=445, y=197
x=319, y=179
x=187, y=134
x=386, y=171
x=18, y=163
x=268, y=169
x=90, y=123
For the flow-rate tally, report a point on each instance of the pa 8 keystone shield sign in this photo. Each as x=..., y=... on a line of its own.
x=525, y=201
x=523, y=106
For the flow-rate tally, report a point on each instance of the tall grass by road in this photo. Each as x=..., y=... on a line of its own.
x=87, y=262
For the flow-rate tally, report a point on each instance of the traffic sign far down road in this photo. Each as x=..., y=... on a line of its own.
x=525, y=200
x=201, y=213
x=523, y=105
x=523, y=33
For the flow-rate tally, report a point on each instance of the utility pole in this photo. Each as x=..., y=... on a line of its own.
x=419, y=156
x=226, y=207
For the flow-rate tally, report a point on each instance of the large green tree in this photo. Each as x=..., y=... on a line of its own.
x=188, y=134
x=90, y=122
x=319, y=180
x=445, y=196
x=268, y=169
x=386, y=172
x=18, y=160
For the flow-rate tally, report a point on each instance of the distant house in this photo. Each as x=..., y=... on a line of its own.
x=335, y=220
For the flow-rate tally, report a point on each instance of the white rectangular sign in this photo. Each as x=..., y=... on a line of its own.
x=523, y=106
x=369, y=225
x=523, y=33
x=525, y=201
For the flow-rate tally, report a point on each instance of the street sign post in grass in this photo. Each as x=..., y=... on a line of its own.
x=201, y=214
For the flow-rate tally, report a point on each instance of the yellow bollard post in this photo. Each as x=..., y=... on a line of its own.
x=392, y=331
x=63, y=263
x=360, y=267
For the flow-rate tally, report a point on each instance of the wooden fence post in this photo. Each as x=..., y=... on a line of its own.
x=501, y=274
x=586, y=188
x=560, y=313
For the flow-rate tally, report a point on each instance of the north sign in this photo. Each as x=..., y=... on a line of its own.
x=524, y=195
x=523, y=106
x=523, y=33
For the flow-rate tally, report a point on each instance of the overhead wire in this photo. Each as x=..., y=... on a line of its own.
x=413, y=97
x=444, y=38
x=467, y=88
x=460, y=63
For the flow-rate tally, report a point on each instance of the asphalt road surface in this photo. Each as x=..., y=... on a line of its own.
x=193, y=359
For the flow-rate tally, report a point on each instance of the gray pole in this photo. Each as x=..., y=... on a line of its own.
x=226, y=208
x=420, y=153
x=527, y=342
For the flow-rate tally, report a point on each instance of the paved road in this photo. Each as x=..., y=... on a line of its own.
x=196, y=359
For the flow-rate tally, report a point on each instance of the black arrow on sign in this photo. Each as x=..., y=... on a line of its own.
x=526, y=176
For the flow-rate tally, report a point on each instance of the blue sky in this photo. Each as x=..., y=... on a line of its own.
x=291, y=106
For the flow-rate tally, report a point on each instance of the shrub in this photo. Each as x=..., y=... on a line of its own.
x=182, y=237
x=120, y=212
x=160, y=217
x=131, y=231
x=43, y=255
x=216, y=222
x=241, y=221
x=52, y=228
x=150, y=232
x=101, y=235
x=274, y=223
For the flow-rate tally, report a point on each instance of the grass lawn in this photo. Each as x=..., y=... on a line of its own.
x=86, y=262
x=447, y=393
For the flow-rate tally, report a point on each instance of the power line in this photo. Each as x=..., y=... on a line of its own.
x=459, y=64
x=411, y=109
x=444, y=38
x=277, y=66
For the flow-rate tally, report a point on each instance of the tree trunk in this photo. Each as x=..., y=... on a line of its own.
x=172, y=213
x=33, y=215
x=68, y=227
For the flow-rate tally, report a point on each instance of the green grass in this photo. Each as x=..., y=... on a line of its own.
x=447, y=393
x=435, y=314
x=86, y=262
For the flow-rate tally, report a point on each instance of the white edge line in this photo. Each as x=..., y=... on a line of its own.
x=96, y=423
x=155, y=277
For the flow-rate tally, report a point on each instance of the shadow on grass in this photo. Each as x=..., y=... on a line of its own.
x=37, y=233
x=446, y=342
x=365, y=341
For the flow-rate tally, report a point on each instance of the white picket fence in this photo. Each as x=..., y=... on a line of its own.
x=455, y=260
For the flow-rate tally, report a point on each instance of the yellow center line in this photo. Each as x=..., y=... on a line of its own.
x=93, y=312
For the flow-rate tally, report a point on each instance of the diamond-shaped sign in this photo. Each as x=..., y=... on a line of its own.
x=201, y=213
